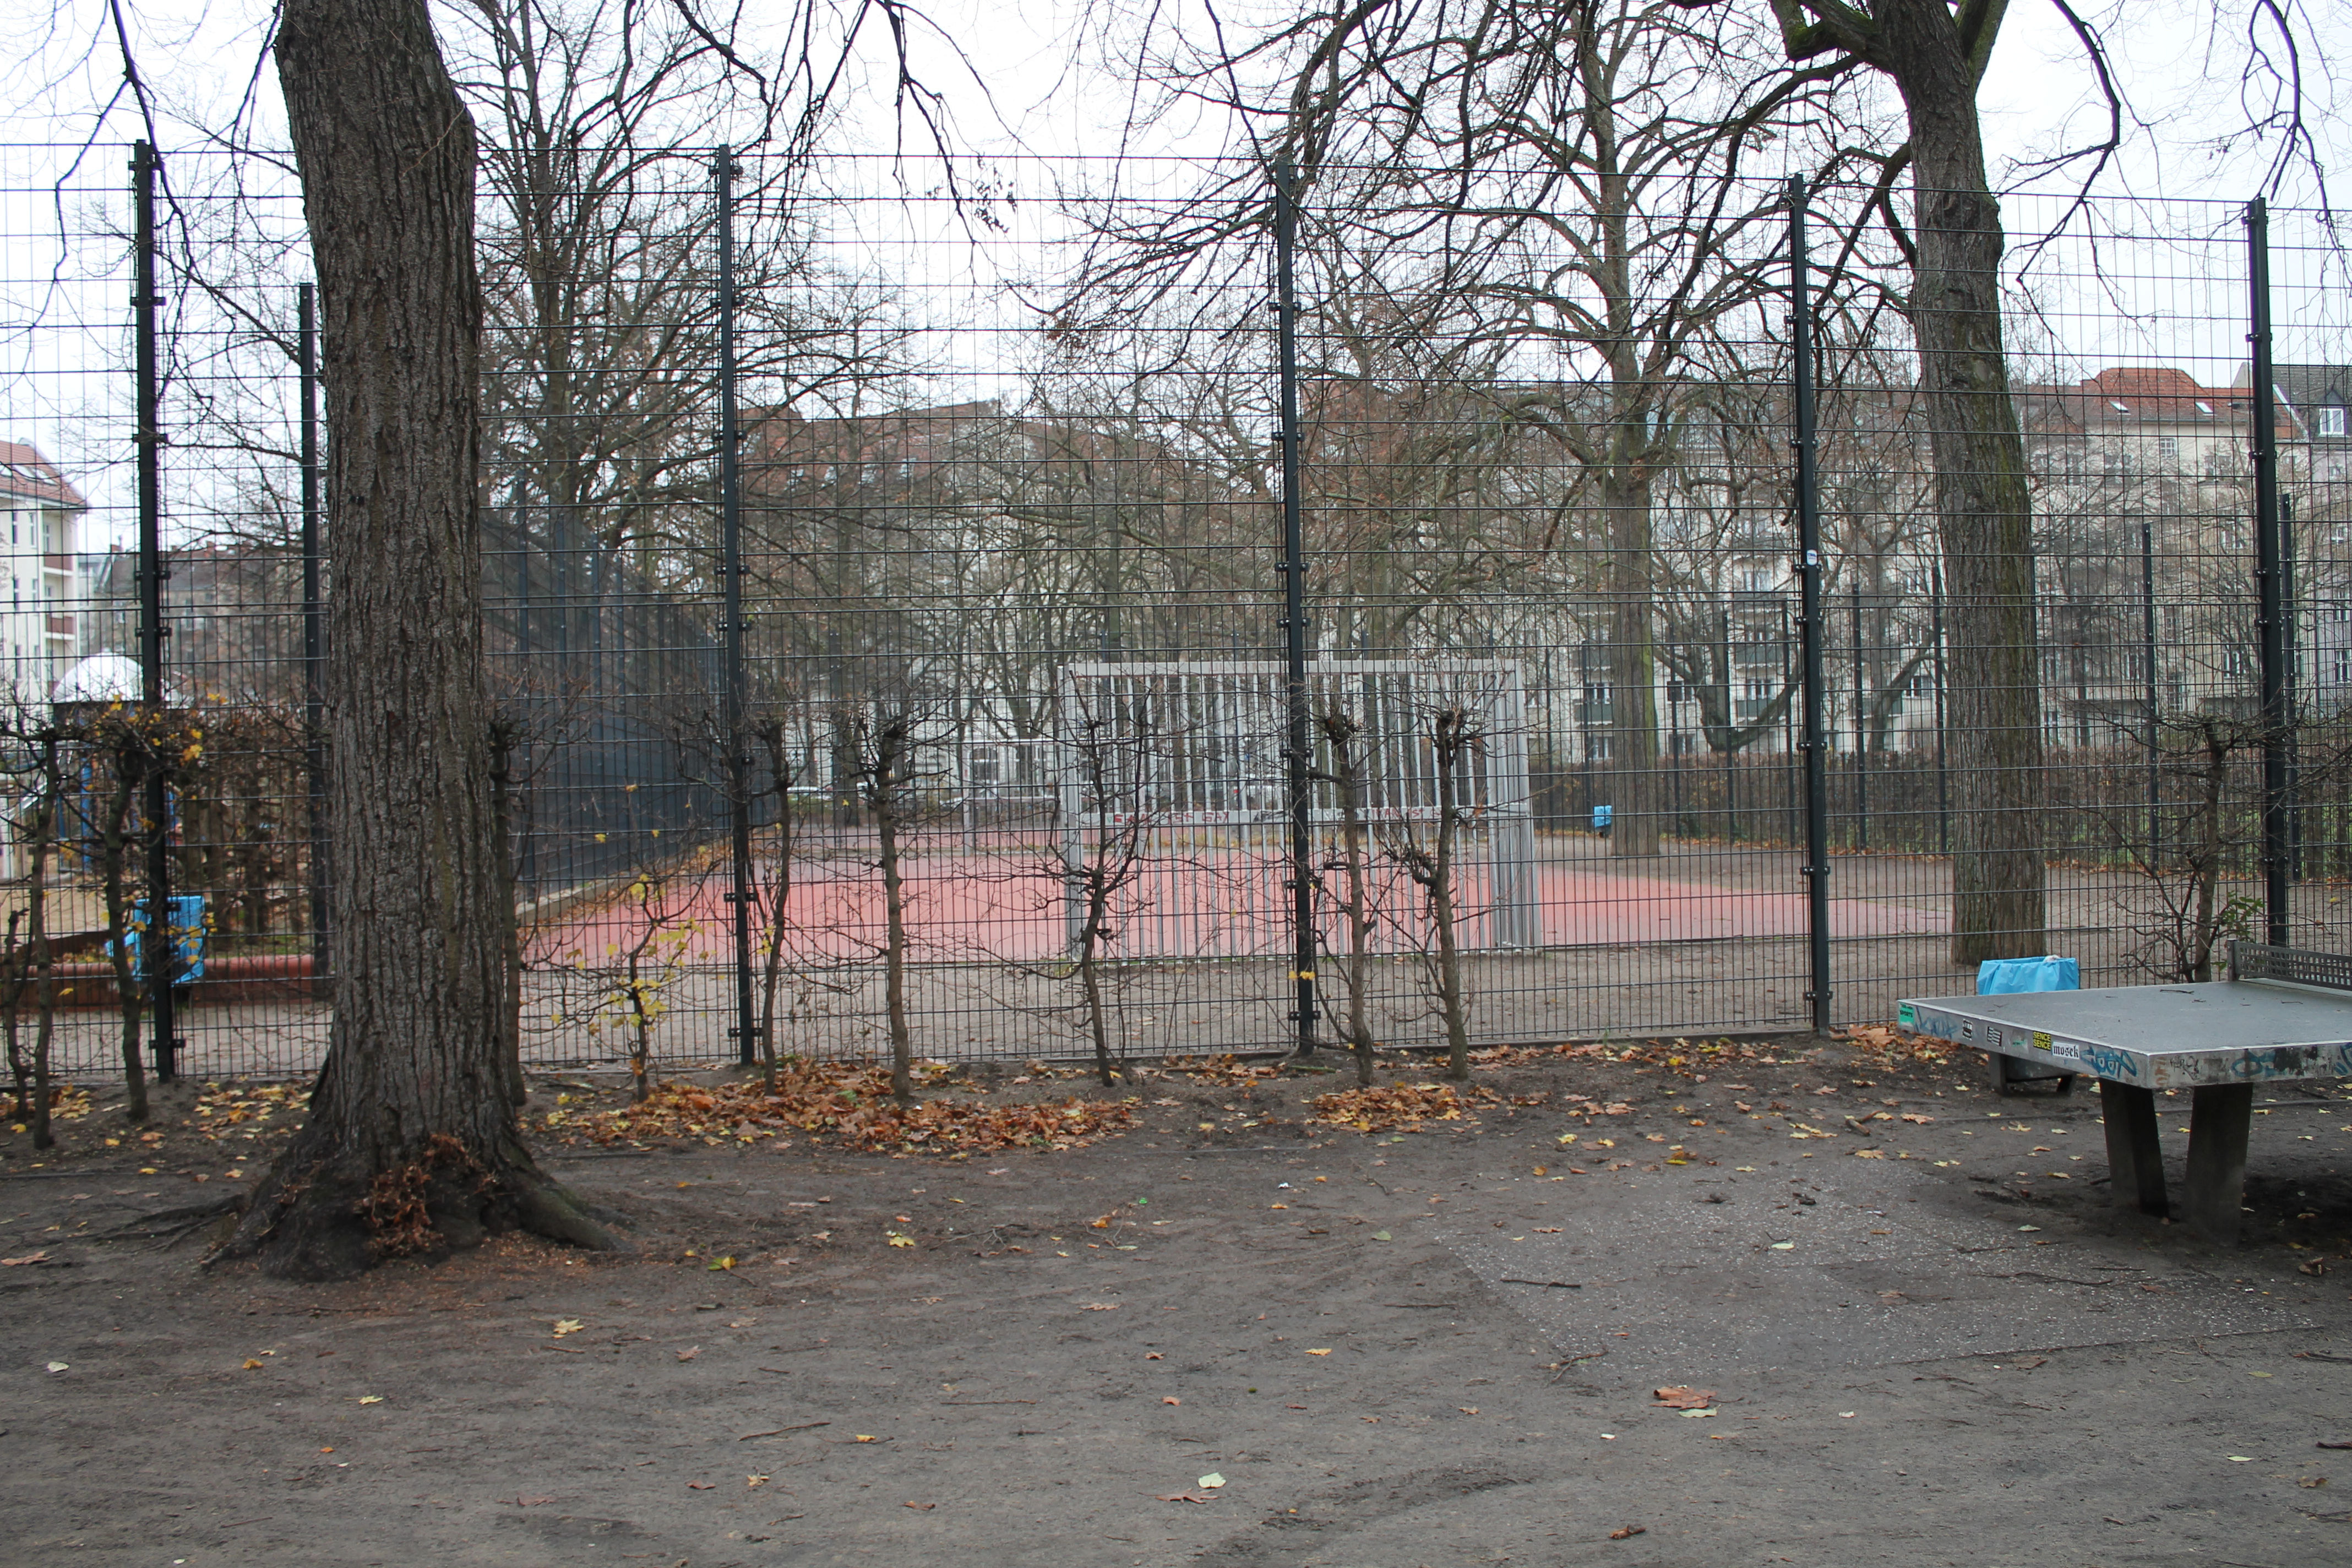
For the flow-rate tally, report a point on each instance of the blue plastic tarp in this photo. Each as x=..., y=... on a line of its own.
x=2005, y=976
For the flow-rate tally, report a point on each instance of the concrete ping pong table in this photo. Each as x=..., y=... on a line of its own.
x=2283, y=1014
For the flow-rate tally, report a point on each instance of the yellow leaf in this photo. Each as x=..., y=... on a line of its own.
x=1319, y=1352
x=568, y=1326
x=371, y=1399
x=252, y=1365
x=898, y=1240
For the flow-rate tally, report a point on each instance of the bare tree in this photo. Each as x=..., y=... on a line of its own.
x=1344, y=767
x=881, y=741
x=32, y=963
x=1453, y=738
x=1101, y=863
x=131, y=744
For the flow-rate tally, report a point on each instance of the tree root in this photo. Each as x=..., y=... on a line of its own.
x=172, y=1226
x=317, y=1216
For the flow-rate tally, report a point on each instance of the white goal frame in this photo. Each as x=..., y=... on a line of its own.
x=1205, y=772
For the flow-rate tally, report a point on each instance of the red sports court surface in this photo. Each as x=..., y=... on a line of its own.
x=966, y=908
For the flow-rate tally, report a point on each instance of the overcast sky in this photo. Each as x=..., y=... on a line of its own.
x=1028, y=85
x=1026, y=76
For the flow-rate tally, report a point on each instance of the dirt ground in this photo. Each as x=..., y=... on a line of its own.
x=1914, y=1329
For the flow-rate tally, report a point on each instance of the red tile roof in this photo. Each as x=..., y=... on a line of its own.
x=25, y=473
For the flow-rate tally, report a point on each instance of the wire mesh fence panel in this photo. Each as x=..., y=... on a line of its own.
x=2139, y=416
x=887, y=621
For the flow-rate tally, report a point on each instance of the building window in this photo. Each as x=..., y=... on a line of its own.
x=2168, y=448
x=2331, y=421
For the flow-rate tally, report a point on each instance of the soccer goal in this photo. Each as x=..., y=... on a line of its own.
x=1178, y=769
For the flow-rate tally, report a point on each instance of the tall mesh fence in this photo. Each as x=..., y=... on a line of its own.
x=1011, y=747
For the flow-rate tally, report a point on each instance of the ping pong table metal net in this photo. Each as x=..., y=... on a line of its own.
x=2294, y=965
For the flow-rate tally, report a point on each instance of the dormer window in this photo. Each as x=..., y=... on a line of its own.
x=2331, y=421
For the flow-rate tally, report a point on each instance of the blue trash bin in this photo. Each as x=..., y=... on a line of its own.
x=1602, y=816
x=187, y=933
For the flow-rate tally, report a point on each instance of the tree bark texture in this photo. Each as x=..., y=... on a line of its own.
x=1983, y=507
x=411, y=1144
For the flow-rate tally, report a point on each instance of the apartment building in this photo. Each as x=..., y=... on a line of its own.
x=39, y=518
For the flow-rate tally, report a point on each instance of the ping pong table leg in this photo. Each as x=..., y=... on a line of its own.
x=2220, y=1118
x=2134, y=1152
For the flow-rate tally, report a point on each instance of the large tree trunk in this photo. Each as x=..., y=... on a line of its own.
x=1637, y=811
x=1983, y=507
x=411, y=1143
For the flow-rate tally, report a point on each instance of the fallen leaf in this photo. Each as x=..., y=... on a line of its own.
x=1169, y=1401
x=1381, y=1236
x=567, y=1326
x=755, y=1480
x=1783, y=1245
x=371, y=1399
x=898, y=1240
x=20, y=1262
x=723, y=1264
x=1627, y=1531
x=250, y=1366
x=1688, y=1414
x=1682, y=1396
x=1467, y=1409
x=700, y=1486
x=1319, y=1352
x=525, y=1501
x=922, y=1506
x=689, y=1353
x=864, y=1438
x=1100, y=1307
x=1211, y=1482
x=2242, y=1458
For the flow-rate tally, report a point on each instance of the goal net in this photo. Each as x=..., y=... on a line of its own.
x=1174, y=774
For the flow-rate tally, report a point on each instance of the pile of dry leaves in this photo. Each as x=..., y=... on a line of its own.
x=1219, y=1070
x=67, y=1102
x=223, y=1106
x=1884, y=1045
x=1403, y=1105
x=848, y=1105
x=1693, y=1060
